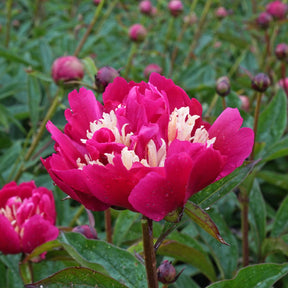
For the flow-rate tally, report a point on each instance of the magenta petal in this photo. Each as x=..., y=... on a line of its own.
x=79, y=122
x=37, y=231
x=155, y=196
x=9, y=239
x=205, y=170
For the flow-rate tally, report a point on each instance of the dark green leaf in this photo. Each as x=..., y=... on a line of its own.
x=280, y=223
x=261, y=275
x=272, y=245
x=15, y=58
x=277, y=179
x=77, y=276
x=277, y=150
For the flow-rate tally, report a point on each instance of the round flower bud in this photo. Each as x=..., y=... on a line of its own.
x=175, y=7
x=137, y=33
x=67, y=68
x=281, y=51
x=223, y=86
x=221, y=13
x=104, y=76
x=263, y=20
x=152, y=68
x=166, y=272
x=97, y=2
x=260, y=82
x=86, y=230
x=145, y=7
x=245, y=103
x=277, y=9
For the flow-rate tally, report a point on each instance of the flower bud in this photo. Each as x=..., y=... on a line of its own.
x=145, y=7
x=221, y=13
x=166, y=272
x=104, y=76
x=175, y=7
x=245, y=103
x=152, y=68
x=263, y=20
x=281, y=51
x=67, y=68
x=277, y=9
x=223, y=86
x=260, y=82
x=137, y=33
x=97, y=2
x=86, y=230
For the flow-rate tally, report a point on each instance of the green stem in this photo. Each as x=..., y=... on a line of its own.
x=40, y=132
x=108, y=226
x=77, y=215
x=8, y=22
x=283, y=75
x=130, y=58
x=244, y=201
x=224, y=103
x=256, y=117
x=198, y=31
x=212, y=105
x=149, y=253
x=89, y=29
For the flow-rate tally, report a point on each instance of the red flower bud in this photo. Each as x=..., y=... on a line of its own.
x=105, y=75
x=263, y=20
x=88, y=231
x=166, y=272
x=277, y=9
x=175, y=7
x=223, y=86
x=281, y=51
x=137, y=32
x=260, y=82
x=152, y=68
x=145, y=7
x=67, y=68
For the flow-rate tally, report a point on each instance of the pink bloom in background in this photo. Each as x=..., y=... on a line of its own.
x=67, y=68
x=146, y=149
x=263, y=20
x=137, y=32
x=277, y=9
x=175, y=7
x=27, y=217
x=221, y=13
x=145, y=7
x=152, y=68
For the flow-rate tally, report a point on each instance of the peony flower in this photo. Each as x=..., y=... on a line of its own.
x=137, y=33
x=27, y=217
x=263, y=20
x=146, y=149
x=104, y=76
x=277, y=9
x=145, y=7
x=221, y=12
x=67, y=68
x=175, y=7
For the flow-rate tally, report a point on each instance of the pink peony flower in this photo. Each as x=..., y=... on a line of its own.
x=137, y=33
x=263, y=20
x=277, y=9
x=104, y=76
x=145, y=7
x=221, y=12
x=67, y=68
x=146, y=149
x=27, y=217
x=152, y=68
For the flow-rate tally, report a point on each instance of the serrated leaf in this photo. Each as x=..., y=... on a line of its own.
x=189, y=255
x=261, y=275
x=200, y=217
x=77, y=276
x=219, y=189
x=120, y=264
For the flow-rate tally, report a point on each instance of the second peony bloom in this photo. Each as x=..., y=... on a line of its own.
x=146, y=149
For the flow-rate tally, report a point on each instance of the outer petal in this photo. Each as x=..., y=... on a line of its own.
x=9, y=240
x=84, y=109
x=155, y=195
x=36, y=232
x=234, y=143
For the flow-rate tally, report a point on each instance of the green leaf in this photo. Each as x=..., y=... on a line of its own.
x=225, y=257
x=123, y=225
x=190, y=255
x=261, y=275
x=217, y=190
x=280, y=223
x=120, y=264
x=200, y=217
x=272, y=121
x=90, y=67
x=15, y=58
x=77, y=276
x=272, y=245
x=257, y=214
x=277, y=179
x=276, y=150
x=34, y=97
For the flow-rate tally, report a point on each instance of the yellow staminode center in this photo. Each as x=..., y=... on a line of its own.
x=180, y=127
